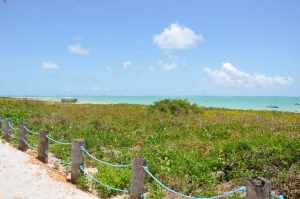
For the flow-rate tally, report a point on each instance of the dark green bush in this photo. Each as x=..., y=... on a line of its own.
x=176, y=107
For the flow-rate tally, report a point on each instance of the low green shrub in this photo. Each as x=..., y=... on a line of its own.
x=176, y=107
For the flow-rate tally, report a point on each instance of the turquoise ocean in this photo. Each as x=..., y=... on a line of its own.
x=291, y=104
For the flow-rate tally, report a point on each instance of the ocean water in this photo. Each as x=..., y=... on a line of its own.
x=232, y=102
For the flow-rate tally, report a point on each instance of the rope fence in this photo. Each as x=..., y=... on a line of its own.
x=84, y=150
x=58, y=142
x=255, y=188
x=34, y=147
x=30, y=131
x=242, y=189
x=86, y=173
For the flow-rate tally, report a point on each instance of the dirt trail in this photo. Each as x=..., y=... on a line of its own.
x=23, y=177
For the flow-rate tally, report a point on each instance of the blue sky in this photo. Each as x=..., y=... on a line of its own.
x=77, y=47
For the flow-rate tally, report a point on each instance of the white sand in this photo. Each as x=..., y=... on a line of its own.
x=24, y=177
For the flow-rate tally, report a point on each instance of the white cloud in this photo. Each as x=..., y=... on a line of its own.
x=49, y=66
x=126, y=64
x=177, y=37
x=77, y=49
x=169, y=61
x=230, y=76
x=168, y=66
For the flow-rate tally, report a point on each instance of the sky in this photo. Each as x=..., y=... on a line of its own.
x=134, y=47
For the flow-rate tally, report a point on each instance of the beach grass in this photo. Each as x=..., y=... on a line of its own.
x=201, y=151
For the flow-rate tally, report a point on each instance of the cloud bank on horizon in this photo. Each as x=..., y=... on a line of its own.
x=230, y=76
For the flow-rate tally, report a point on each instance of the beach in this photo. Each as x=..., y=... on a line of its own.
x=232, y=102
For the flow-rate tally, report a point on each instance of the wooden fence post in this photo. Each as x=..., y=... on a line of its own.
x=22, y=136
x=137, y=178
x=1, y=124
x=258, y=188
x=77, y=159
x=43, y=147
x=7, y=131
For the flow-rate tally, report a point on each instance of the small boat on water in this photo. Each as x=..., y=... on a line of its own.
x=297, y=104
x=69, y=100
x=272, y=106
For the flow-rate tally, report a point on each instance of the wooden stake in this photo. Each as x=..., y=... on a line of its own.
x=43, y=147
x=7, y=131
x=77, y=159
x=258, y=188
x=22, y=136
x=137, y=178
x=1, y=124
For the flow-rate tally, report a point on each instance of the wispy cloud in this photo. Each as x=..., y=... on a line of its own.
x=78, y=49
x=230, y=76
x=177, y=37
x=126, y=64
x=169, y=61
x=47, y=65
x=168, y=66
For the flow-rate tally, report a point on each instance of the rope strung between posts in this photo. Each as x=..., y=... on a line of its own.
x=29, y=145
x=13, y=136
x=30, y=131
x=58, y=142
x=24, y=140
x=13, y=129
x=35, y=133
x=11, y=126
x=103, y=162
x=100, y=182
x=223, y=195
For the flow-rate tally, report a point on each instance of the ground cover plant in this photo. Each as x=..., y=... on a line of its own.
x=198, y=151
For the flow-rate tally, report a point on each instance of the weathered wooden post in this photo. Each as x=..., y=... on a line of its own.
x=1, y=126
x=137, y=178
x=43, y=147
x=22, y=137
x=6, y=128
x=258, y=188
x=1, y=123
x=77, y=159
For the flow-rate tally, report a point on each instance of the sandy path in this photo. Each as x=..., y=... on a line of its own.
x=23, y=177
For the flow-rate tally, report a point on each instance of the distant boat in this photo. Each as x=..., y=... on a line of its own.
x=297, y=104
x=271, y=106
x=69, y=100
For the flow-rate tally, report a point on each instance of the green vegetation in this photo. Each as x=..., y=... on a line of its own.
x=194, y=150
x=175, y=107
